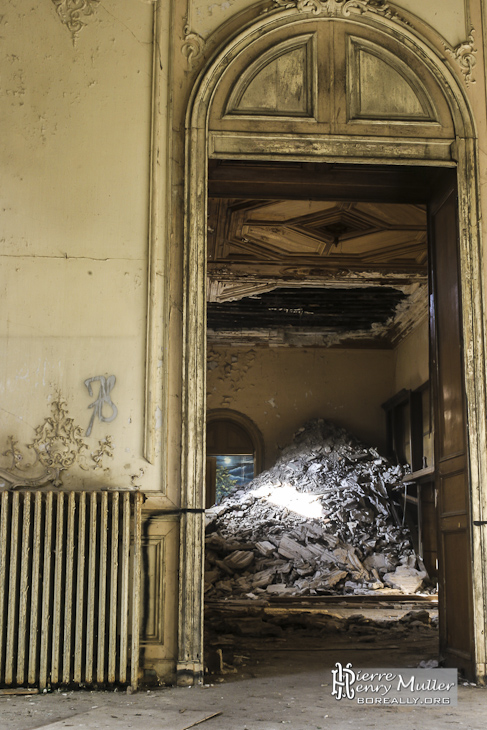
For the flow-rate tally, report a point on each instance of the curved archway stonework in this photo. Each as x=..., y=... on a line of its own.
x=325, y=113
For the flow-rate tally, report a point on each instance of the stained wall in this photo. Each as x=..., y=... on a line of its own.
x=282, y=388
x=75, y=182
x=75, y=114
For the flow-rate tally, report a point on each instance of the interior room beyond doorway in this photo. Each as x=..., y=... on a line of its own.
x=318, y=308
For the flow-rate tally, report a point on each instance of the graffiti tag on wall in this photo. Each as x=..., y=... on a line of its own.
x=103, y=399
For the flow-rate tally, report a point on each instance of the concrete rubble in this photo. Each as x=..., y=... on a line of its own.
x=320, y=522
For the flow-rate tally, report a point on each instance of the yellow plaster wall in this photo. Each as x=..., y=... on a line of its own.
x=74, y=180
x=280, y=389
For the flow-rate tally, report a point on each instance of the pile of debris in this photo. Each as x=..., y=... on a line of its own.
x=321, y=521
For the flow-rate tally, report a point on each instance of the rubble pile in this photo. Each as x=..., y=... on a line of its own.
x=312, y=624
x=319, y=522
x=238, y=635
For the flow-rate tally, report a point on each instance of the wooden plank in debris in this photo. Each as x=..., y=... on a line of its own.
x=19, y=691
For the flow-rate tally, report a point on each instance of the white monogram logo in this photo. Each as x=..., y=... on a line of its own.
x=343, y=679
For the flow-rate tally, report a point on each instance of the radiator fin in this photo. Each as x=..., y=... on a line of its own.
x=70, y=567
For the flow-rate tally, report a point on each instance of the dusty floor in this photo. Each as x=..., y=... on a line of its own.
x=275, y=682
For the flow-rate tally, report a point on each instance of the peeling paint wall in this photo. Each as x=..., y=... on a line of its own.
x=74, y=178
x=280, y=389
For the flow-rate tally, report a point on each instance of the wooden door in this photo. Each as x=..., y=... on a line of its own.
x=451, y=462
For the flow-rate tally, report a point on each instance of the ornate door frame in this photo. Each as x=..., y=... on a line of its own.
x=202, y=145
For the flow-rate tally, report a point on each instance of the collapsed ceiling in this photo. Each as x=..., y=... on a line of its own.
x=314, y=272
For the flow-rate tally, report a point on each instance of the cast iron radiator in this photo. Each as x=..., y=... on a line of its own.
x=70, y=566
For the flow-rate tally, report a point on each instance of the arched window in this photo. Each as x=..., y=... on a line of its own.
x=234, y=452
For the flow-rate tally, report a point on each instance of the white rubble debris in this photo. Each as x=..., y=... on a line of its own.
x=407, y=580
x=319, y=522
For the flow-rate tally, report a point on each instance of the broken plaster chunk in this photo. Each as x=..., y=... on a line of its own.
x=252, y=596
x=304, y=569
x=293, y=550
x=244, y=584
x=341, y=555
x=354, y=560
x=265, y=548
x=211, y=576
x=224, y=566
x=335, y=577
x=407, y=580
x=375, y=575
x=376, y=561
x=280, y=589
x=263, y=578
x=224, y=586
x=421, y=616
x=313, y=531
x=239, y=560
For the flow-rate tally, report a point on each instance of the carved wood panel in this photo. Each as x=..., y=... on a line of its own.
x=281, y=81
x=382, y=86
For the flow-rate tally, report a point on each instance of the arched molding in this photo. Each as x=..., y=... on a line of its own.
x=462, y=153
x=432, y=58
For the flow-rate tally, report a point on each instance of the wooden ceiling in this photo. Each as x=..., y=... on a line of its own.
x=256, y=236
x=257, y=245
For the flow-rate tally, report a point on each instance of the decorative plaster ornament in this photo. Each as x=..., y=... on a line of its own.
x=345, y=8
x=464, y=54
x=192, y=47
x=70, y=12
x=58, y=445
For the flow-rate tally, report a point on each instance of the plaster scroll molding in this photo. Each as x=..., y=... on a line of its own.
x=464, y=55
x=58, y=445
x=71, y=11
x=193, y=44
x=192, y=47
x=342, y=8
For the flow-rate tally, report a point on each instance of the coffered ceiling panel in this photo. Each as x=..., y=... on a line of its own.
x=310, y=272
x=358, y=235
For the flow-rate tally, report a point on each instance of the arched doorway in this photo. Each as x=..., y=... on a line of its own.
x=297, y=88
x=234, y=453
